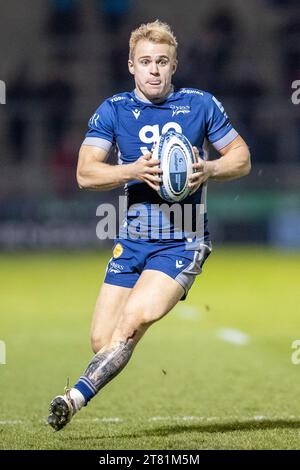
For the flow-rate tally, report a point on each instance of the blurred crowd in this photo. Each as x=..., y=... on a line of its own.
x=204, y=63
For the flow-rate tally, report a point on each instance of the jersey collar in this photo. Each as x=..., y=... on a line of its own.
x=144, y=100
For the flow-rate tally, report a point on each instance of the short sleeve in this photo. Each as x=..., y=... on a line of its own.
x=219, y=129
x=101, y=125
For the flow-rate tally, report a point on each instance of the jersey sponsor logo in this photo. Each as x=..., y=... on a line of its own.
x=136, y=113
x=115, y=267
x=191, y=92
x=118, y=250
x=150, y=134
x=93, y=120
x=117, y=98
x=180, y=109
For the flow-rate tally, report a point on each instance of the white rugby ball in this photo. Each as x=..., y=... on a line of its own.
x=176, y=156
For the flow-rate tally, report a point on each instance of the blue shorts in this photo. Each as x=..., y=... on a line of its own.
x=131, y=257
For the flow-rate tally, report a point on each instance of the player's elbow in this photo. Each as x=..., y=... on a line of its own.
x=83, y=172
x=246, y=163
x=247, y=166
x=82, y=180
x=247, y=169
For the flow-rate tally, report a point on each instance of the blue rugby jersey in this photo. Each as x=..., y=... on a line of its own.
x=134, y=125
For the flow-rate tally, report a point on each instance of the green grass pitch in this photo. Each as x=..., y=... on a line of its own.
x=185, y=387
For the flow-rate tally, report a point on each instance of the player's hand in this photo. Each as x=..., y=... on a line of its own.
x=147, y=169
x=202, y=172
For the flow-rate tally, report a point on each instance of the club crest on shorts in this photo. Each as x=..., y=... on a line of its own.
x=118, y=250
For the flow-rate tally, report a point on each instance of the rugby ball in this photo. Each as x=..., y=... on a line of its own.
x=176, y=156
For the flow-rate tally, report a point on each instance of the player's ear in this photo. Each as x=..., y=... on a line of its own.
x=174, y=66
x=131, y=67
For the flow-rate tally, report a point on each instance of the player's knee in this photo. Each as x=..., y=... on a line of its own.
x=98, y=341
x=148, y=317
x=136, y=318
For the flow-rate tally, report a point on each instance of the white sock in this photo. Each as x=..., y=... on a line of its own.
x=78, y=398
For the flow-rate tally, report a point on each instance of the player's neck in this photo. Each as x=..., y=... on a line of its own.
x=142, y=97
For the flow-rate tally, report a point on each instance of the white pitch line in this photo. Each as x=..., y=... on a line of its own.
x=207, y=419
x=11, y=421
x=233, y=336
x=185, y=418
x=176, y=418
x=223, y=418
x=102, y=420
x=188, y=312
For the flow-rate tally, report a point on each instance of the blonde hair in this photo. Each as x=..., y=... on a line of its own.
x=157, y=32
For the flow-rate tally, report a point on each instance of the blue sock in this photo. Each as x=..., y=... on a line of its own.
x=86, y=388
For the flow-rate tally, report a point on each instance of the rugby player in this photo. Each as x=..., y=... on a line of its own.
x=147, y=276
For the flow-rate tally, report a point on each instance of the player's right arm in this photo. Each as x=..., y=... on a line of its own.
x=94, y=173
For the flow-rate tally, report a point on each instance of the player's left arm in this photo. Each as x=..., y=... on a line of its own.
x=234, y=162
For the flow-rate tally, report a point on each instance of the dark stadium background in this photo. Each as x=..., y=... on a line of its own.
x=61, y=58
x=221, y=371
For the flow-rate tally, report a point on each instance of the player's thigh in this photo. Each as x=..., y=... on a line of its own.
x=153, y=296
x=109, y=306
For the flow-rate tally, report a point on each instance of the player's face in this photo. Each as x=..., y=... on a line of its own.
x=153, y=66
